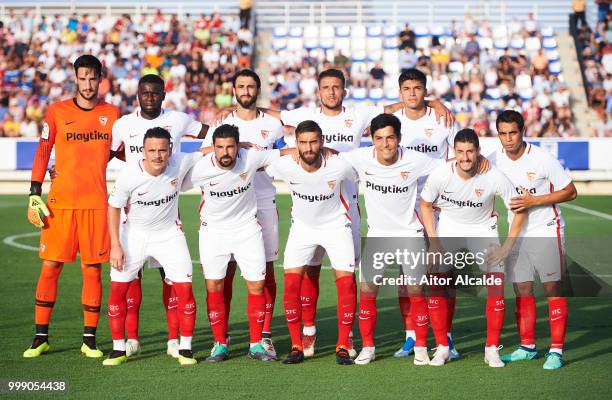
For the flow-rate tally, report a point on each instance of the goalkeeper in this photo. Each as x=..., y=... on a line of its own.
x=75, y=215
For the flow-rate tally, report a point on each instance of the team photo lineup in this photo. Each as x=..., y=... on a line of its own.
x=312, y=198
x=239, y=222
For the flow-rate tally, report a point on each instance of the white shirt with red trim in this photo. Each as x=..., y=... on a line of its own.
x=129, y=131
x=540, y=173
x=317, y=197
x=263, y=131
x=228, y=196
x=467, y=204
x=390, y=190
x=151, y=202
x=341, y=132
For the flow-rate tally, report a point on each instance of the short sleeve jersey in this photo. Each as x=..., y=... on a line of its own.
x=151, y=202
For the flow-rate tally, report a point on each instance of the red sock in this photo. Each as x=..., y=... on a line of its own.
x=256, y=313
x=437, y=309
x=117, y=307
x=309, y=295
x=293, y=308
x=172, y=316
x=404, y=302
x=216, y=315
x=496, y=306
x=526, y=318
x=557, y=317
x=270, y=293
x=134, y=298
x=228, y=289
x=186, y=307
x=420, y=319
x=367, y=318
x=46, y=293
x=347, y=296
x=450, y=311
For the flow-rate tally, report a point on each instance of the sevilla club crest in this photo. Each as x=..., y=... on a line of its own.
x=428, y=132
x=348, y=122
x=331, y=184
x=264, y=133
x=243, y=176
x=530, y=176
x=103, y=120
x=478, y=192
x=174, y=182
x=404, y=175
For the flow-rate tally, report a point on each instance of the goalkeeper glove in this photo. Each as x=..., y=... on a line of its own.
x=37, y=208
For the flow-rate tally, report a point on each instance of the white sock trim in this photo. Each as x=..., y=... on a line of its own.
x=119, y=345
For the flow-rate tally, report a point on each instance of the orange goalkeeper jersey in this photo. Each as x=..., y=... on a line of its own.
x=82, y=140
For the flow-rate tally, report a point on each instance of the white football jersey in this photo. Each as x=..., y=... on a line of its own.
x=390, y=190
x=540, y=173
x=467, y=203
x=316, y=196
x=129, y=131
x=228, y=196
x=263, y=131
x=151, y=202
x=427, y=136
x=341, y=132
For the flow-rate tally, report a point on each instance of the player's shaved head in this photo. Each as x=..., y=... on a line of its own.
x=90, y=62
x=151, y=95
x=153, y=79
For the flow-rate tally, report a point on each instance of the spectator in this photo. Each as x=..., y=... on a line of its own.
x=407, y=59
x=377, y=76
x=245, y=12
x=579, y=8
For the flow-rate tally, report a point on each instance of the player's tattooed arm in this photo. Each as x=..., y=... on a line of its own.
x=526, y=200
x=483, y=164
x=117, y=256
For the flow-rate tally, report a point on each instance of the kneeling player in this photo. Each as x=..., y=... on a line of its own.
x=543, y=184
x=319, y=218
x=149, y=191
x=466, y=199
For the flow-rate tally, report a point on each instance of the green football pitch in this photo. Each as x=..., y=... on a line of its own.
x=153, y=374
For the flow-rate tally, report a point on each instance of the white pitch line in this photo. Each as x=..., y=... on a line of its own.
x=12, y=241
x=587, y=211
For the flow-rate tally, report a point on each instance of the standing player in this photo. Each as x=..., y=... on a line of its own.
x=342, y=129
x=543, y=183
x=389, y=174
x=128, y=135
x=263, y=130
x=149, y=191
x=76, y=217
x=319, y=219
x=229, y=227
x=466, y=199
x=422, y=132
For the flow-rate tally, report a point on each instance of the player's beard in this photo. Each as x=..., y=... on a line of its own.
x=226, y=161
x=313, y=157
x=246, y=104
x=91, y=96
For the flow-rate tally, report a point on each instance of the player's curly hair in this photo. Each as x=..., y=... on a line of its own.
x=384, y=120
x=247, y=72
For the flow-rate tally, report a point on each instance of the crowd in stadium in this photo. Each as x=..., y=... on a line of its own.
x=596, y=51
x=477, y=68
x=196, y=57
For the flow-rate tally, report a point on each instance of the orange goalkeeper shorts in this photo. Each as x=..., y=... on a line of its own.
x=69, y=231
